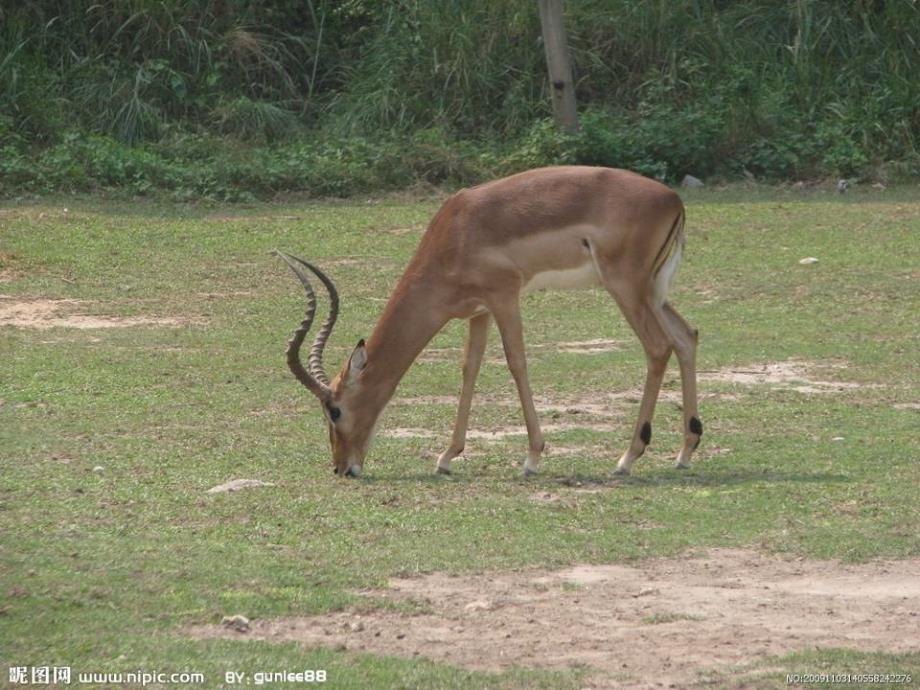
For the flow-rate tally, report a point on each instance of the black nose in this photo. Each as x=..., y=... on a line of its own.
x=335, y=470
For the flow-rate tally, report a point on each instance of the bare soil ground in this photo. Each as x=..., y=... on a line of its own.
x=599, y=411
x=8, y=267
x=577, y=347
x=658, y=623
x=796, y=375
x=70, y=313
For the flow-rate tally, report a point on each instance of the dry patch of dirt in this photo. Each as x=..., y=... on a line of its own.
x=599, y=405
x=600, y=412
x=577, y=347
x=8, y=268
x=499, y=434
x=237, y=485
x=8, y=275
x=587, y=347
x=794, y=375
x=71, y=313
x=603, y=412
x=661, y=622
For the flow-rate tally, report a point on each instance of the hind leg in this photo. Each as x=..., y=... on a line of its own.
x=656, y=342
x=684, y=339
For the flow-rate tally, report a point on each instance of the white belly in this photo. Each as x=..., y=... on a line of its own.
x=584, y=276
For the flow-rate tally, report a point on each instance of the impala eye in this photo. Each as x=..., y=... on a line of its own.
x=334, y=413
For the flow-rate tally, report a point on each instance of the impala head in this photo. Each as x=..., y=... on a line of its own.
x=349, y=423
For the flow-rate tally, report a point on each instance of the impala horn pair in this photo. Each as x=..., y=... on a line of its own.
x=313, y=376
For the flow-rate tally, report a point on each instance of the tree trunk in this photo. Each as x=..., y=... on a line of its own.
x=560, y=68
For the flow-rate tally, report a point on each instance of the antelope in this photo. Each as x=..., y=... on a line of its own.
x=558, y=227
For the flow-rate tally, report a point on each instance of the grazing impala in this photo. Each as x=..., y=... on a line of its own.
x=563, y=227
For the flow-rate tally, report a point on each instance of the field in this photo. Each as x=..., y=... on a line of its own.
x=142, y=364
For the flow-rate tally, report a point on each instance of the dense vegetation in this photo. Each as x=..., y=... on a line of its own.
x=230, y=98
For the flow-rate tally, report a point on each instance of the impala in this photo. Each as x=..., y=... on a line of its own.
x=560, y=227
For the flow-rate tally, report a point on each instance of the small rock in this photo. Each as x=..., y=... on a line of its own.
x=357, y=627
x=838, y=438
x=98, y=468
x=238, y=623
x=879, y=186
x=690, y=181
x=842, y=186
x=400, y=636
x=236, y=485
x=808, y=260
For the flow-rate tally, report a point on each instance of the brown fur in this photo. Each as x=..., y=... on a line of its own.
x=483, y=245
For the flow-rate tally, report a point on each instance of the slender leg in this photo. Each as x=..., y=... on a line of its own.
x=508, y=318
x=656, y=342
x=685, y=340
x=472, y=360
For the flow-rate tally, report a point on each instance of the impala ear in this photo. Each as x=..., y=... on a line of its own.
x=358, y=360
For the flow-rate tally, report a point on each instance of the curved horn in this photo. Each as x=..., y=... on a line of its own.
x=319, y=388
x=315, y=360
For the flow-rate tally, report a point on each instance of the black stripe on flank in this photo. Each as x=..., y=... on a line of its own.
x=668, y=243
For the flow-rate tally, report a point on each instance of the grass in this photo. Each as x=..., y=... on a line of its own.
x=101, y=569
x=662, y=618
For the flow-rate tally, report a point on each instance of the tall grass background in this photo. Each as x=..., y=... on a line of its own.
x=238, y=97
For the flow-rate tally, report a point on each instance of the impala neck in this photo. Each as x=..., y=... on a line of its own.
x=411, y=318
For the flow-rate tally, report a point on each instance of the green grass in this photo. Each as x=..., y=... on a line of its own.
x=101, y=570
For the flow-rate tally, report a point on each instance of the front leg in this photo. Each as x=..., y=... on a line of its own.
x=472, y=360
x=508, y=318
